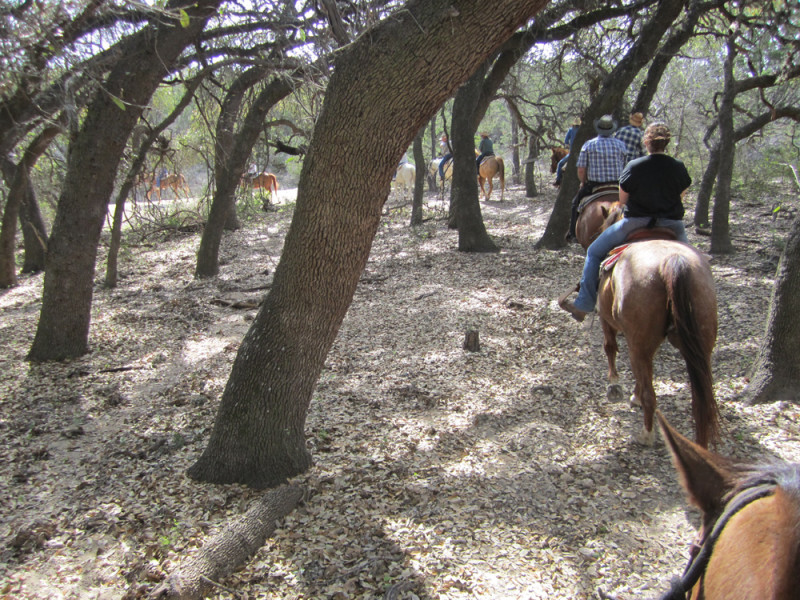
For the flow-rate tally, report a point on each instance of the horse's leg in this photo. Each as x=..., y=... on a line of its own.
x=641, y=356
x=614, y=390
x=490, y=188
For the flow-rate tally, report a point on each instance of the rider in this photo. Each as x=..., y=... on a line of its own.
x=568, y=139
x=486, y=148
x=446, y=154
x=651, y=189
x=631, y=136
x=600, y=163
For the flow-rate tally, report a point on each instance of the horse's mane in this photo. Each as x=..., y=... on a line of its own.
x=614, y=215
x=785, y=475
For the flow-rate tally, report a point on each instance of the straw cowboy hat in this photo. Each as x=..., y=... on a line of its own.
x=605, y=126
x=636, y=119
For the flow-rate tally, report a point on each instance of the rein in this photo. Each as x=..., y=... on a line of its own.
x=680, y=587
x=698, y=563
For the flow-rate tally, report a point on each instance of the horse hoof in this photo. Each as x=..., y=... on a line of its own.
x=614, y=392
x=646, y=438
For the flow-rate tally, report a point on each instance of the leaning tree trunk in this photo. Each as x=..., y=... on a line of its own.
x=385, y=86
x=720, y=225
x=94, y=156
x=606, y=102
x=776, y=372
x=703, y=202
x=230, y=172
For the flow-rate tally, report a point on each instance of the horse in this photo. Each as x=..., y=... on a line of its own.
x=433, y=169
x=749, y=540
x=557, y=153
x=592, y=212
x=405, y=177
x=176, y=181
x=660, y=289
x=491, y=166
x=263, y=180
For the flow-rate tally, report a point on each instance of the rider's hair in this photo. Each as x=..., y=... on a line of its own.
x=657, y=136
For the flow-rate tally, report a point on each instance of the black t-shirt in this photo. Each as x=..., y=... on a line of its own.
x=654, y=184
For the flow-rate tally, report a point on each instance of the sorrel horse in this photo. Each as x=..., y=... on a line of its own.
x=262, y=181
x=661, y=289
x=176, y=181
x=749, y=540
x=491, y=166
x=592, y=212
x=557, y=153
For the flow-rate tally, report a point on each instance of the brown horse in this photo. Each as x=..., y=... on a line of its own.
x=262, y=181
x=661, y=289
x=749, y=541
x=176, y=181
x=491, y=166
x=592, y=212
x=557, y=153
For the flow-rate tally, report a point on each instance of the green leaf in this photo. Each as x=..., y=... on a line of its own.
x=118, y=101
x=184, y=18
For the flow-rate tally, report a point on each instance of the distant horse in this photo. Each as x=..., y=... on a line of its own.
x=176, y=181
x=749, y=541
x=447, y=169
x=557, y=153
x=262, y=181
x=592, y=212
x=661, y=289
x=405, y=178
x=491, y=166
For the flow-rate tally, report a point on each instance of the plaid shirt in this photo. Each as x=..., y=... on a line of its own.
x=603, y=158
x=631, y=136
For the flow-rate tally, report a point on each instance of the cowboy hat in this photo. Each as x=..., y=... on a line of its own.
x=605, y=125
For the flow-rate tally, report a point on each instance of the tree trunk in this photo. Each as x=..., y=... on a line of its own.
x=93, y=159
x=385, y=86
x=703, y=201
x=229, y=172
x=231, y=548
x=34, y=234
x=606, y=102
x=720, y=225
x=419, y=181
x=465, y=198
x=530, y=167
x=776, y=372
x=515, y=146
x=21, y=197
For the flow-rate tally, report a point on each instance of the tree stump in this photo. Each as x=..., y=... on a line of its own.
x=471, y=341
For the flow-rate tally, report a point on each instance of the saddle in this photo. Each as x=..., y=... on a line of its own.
x=643, y=234
x=601, y=191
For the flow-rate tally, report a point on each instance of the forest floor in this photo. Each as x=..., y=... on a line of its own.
x=439, y=473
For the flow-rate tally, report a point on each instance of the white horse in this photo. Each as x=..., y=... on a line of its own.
x=405, y=177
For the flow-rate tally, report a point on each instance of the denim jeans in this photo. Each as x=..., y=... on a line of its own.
x=612, y=237
x=560, y=168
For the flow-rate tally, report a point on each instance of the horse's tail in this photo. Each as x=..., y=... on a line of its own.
x=677, y=275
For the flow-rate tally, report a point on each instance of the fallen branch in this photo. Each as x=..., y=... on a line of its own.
x=230, y=548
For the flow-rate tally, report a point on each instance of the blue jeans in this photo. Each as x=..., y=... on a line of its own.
x=560, y=168
x=445, y=158
x=612, y=237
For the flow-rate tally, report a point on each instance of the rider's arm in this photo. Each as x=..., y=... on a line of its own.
x=582, y=175
x=623, y=196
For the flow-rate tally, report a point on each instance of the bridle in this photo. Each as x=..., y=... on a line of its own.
x=701, y=554
x=680, y=587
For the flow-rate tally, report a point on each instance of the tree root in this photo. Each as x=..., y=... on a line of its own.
x=230, y=548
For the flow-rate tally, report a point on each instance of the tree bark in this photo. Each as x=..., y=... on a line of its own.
x=20, y=198
x=93, y=159
x=720, y=225
x=384, y=88
x=419, y=179
x=530, y=171
x=231, y=548
x=776, y=371
x=605, y=102
x=232, y=158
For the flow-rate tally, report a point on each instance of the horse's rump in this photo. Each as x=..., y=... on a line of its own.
x=557, y=153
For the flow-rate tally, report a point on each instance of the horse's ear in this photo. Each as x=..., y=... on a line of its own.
x=706, y=476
